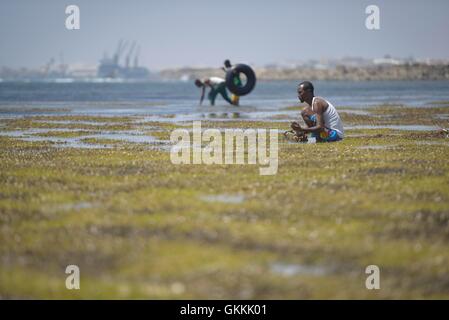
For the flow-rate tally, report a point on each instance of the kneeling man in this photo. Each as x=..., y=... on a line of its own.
x=321, y=117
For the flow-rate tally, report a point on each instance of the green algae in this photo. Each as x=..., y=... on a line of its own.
x=64, y=134
x=136, y=226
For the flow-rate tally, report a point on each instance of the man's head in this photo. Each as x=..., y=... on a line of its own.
x=305, y=91
x=227, y=64
x=198, y=83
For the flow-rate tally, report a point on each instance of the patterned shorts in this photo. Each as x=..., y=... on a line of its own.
x=327, y=135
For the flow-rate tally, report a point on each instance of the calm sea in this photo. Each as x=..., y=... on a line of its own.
x=182, y=97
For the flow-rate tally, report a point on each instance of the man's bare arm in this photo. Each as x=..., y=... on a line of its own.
x=203, y=89
x=319, y=108
x=319, y=124
x=306, y=113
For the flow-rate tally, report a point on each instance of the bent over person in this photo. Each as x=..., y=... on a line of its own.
x=217, y=86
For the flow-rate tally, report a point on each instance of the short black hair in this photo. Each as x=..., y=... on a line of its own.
x=306, y=85
x=198, y=83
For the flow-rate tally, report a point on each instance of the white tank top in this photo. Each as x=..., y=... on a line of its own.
x=216, y=80
x=332, y=119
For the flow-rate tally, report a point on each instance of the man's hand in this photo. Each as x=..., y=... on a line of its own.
x=295, y=126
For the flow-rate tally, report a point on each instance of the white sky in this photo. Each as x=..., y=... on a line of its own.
x=176, y=33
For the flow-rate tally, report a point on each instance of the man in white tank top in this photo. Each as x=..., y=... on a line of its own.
x=321, y=117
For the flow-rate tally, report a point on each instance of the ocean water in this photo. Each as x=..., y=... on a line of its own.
x=269, y=98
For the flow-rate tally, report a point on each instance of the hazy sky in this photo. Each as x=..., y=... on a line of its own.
x=205, y=32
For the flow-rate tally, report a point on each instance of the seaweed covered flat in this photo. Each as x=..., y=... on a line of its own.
x=141, y=227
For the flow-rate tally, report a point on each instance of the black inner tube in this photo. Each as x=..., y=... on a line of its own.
x=233, y=82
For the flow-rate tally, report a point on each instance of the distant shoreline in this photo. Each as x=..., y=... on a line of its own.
x=381, y=72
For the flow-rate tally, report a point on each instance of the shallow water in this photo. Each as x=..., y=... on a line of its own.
x=439, y=143
x=181, y=98
x=224, y=198
x=395, y=127
x=442, y=116
x=177, y=102
x=290, y=270
x=76, y=142
x=92, y=123
x=355, y=111
x=377, y=147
